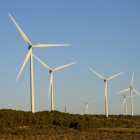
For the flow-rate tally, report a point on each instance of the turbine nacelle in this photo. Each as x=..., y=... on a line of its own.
x=50, y=71
x=30, y=47
x=105, y=80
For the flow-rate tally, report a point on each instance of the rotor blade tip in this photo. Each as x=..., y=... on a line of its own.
x=9, y=14
x=67, y=44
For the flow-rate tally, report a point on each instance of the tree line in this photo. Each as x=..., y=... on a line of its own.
x=11, y=118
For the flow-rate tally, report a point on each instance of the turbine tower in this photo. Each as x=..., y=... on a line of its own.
x=29, y=54
x=105, y=80
x=51, y=79
x=131, y=93
x=87, y=104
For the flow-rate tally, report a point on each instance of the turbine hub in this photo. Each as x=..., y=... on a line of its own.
x=50, y=71
x=130, y=87
x=29, y=47
x=104, y=80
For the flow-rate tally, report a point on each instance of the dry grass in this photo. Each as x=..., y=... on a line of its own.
x=127, y=130
x=62, y=133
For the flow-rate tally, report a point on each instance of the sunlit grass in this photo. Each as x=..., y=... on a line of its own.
x=133, y=130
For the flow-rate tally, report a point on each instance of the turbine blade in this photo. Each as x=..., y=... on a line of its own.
x=63, y=66
x=124, y=90
x=122, y=93
x=91, y=101
x=50, y=45
x=123, y=102
x=50, y=84
x=135, y=91
x=42, y=63
x=27, y=56
x=23, y=35
x=134, y=95
x=132, y=79
x=128, y=96
x=115, y=75
x=84, y=100
x=97, y=74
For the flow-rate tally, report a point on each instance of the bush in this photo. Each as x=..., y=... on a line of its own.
x=58, y=121
x=66, y=123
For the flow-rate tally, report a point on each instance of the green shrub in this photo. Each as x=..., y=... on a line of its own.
x=66, y=123
x=58, y=121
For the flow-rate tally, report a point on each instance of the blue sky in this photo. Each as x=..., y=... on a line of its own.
x=103, y=35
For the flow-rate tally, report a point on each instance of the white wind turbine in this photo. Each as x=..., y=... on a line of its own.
x=51, y=79
x=29, y=54
x=131, y=93
x=125, y=101
x=87, y=104
x=105, y=80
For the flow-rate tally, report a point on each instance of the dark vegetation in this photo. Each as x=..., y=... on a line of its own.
x=57, y=125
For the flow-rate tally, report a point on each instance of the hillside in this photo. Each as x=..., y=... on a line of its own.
x=58, y=125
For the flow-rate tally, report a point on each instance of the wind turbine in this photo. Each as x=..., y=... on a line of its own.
x=51, y=79
x=105, y=80
x=125, y=101
x=29, y=54
x=131, y=93
x=87, y=104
